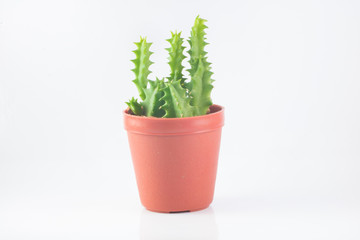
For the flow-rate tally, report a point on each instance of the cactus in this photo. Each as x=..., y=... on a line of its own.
x=200, y=85
x=176, y=103
x=174, y=98
x=142, y=63
x=135, y=106
x=151, y=104
x=176, y=57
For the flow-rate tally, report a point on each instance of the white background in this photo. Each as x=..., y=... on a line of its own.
x=288, y=73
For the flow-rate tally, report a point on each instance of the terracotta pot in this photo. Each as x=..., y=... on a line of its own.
x=175, y=159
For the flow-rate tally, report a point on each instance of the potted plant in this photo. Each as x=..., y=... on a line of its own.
x=174, y=132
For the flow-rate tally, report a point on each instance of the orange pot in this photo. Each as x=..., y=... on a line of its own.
x=175, y=159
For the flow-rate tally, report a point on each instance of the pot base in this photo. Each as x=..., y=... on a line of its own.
x=183, y=211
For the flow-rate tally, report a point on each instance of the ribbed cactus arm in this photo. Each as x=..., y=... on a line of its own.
x=201, y=88
x=134, y=106
x=200, y=85
x=151, y=104
x=176, y=57
x=176, y=104
x=197, y=43
x=142, y=63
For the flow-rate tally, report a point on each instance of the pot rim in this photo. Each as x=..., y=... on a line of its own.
x=175, y=126
x=219, y=111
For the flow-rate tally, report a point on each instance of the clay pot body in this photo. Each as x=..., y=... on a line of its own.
x=175, y=159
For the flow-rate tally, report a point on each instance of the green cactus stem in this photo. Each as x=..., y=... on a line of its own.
x=197, y=43
x=142, y=63
x=176, y=57
x=200, y=85
x=135, y=107
x=176, y=104
x=152, y=102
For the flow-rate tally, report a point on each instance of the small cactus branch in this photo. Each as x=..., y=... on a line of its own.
x=176, y=104
x=152, y=103
x=200, y=85
x=201, y=88
x=176, y=57
x=135, y=107
x=142, y=63
x=197, y=43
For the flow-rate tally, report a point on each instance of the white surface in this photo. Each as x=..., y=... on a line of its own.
x=287, y=72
